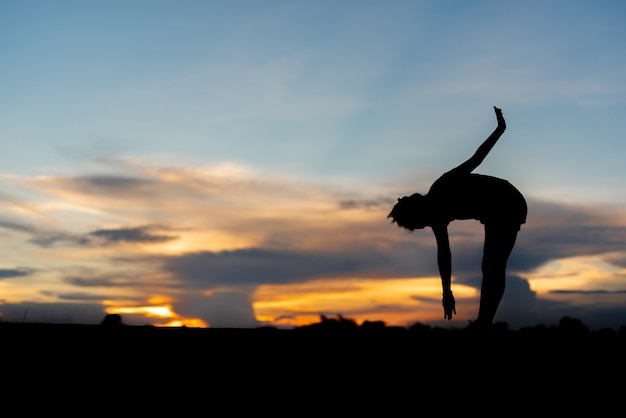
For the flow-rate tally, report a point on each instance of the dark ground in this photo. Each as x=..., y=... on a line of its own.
x=565, y=368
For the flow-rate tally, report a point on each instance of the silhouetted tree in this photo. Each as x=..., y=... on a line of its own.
x=112, y=320
x=572, y=326
x=333, y=324
x=371, y=325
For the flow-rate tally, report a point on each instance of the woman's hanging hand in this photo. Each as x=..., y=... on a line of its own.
x=449, y=305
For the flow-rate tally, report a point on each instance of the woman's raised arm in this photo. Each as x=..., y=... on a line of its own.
x=482, y=151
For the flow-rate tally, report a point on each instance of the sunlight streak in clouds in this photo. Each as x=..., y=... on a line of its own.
x=164, y=311
x=160, y=310
x=394, y=301
x=582, y=273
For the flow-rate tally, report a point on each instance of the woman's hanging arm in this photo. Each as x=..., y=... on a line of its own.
x=444, y=261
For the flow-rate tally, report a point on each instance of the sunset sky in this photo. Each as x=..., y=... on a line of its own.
x=232, y=163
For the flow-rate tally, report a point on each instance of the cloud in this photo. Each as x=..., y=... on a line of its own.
x=220, y=309
x=16, y=226
x=82, y=297
x=114, y=185
x=518, y=306
x=257, y=266
x=588, y=292
x=617, y=259
x=133, y=235
x=99, y=237
x=539, y=245
x=386, y=203
x=48, y=239
x=13, y=273
x=103, y=281
x=54, y=313
x=536, y=247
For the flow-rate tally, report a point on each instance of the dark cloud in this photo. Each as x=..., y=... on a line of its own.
x=262, y=266
x=222, y=309
x=537, y=246
x=558, y=231
x=13, y=273
x=16, y=226
x=618, y=260
x=588, y=292
x=102, y=281
x=82, y=296
x=383, y=202
x=53, y=313
x=519, y=303
x=426, y=299
x=466, y=259
x=109, y=184
x=284, y=317
x=142, y=234
x=50, y=239
x=136, y=235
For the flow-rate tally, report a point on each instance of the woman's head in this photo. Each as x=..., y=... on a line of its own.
x=409, y=212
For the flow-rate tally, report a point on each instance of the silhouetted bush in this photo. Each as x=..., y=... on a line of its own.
x=420, y=329
x=373, y=325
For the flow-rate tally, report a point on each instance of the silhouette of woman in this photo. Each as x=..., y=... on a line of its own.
x=461, y=194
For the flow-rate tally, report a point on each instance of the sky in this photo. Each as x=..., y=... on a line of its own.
x=232, y=163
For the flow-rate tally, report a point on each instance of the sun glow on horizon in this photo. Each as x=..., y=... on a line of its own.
x=188, y=322
x=158, y=311
x=398, y=301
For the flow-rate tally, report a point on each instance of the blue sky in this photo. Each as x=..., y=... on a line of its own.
x=158, y=155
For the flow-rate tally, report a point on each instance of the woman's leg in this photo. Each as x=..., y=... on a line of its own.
x=499, y=242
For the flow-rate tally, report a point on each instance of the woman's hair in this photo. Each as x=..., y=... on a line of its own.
x=406, y=212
